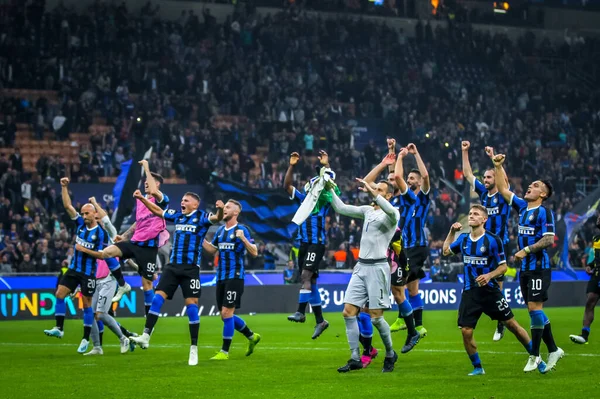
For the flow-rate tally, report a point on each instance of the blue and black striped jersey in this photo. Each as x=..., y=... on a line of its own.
x=231, y=252
x=95, y=239
x=404, y=203
x=534, y=223
x=595, y=263
x=414, y=233
x=190, y=231
x=498, y=211
x=480, y=256
x=312, y=231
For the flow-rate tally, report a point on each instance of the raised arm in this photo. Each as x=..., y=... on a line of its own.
x=501, y=180
x=391, y=144
x=250, y=247
x=152, y=186
x=399, y=171
x=108, y=226
x=384, y=204
x=372, y=176
x=490, y=153
x=347, y=210
x=421, y=166
x=446, y=251
x=323, y=158
x=466, y=164
x=388, y=208
x=101, y=212
x=289, y=174
x=66, y=198
x=217, y=217
x=153, y=208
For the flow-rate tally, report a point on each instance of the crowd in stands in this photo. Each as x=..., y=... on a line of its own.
x=292, y=81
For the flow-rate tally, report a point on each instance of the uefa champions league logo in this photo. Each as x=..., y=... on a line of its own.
x=518, y=295
x=324, y=297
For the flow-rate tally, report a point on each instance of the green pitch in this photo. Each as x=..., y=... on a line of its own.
x=288, y=364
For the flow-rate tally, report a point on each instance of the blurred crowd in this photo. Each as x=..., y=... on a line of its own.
x=294, y=82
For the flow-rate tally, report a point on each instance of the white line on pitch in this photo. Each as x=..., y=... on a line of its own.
x=279, y=348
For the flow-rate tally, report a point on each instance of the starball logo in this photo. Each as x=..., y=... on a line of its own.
x=34, y=304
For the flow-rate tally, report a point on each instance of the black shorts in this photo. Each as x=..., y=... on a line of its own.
x=400, y=275
x=145, y=257
x=416, y=257
x=310, y=256
x=229, y=293
x=535, y=284
x=71, y=279
x=593, y=286
x=500, y=278
x=476, y=301
x=185, y=276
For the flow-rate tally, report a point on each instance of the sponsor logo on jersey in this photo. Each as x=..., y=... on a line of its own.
x=476, y=260
x=493, y=211
x=526, y=231
x=83, y=243
x=186, y=228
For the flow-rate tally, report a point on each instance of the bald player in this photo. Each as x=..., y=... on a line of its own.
x=82, y=269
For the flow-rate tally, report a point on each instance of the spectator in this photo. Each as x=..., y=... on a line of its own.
x=341, y=257
x=26, y=265
x=290, y=274
x=5, y=265
x=16, y=161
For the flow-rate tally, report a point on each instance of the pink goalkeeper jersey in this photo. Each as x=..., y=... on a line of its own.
x=148, y=227
x=101, y=269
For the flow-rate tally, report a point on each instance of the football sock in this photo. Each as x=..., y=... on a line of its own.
x=194, y=319
x=547, y=335
x=95, y=335
x=228, y=330
x=118, y=275
x=365, y=327
x=386, y=336
x=240, y=326
x=537, y=331
x=88, y=320
x=153, y=312
x=59, y=313
x=352, y=333
x=315, y=303
x=100, y=327
x=406, y=312
x=303, y=299
x=112, y=324
x=416, y=302
x=148, y=299
x=585, y=332
x=475, y=361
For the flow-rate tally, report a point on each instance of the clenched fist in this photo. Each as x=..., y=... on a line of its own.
x=294, y=158
x=499, y=159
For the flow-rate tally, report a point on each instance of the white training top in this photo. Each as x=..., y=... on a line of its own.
x=110, y=228
x=379, y=226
